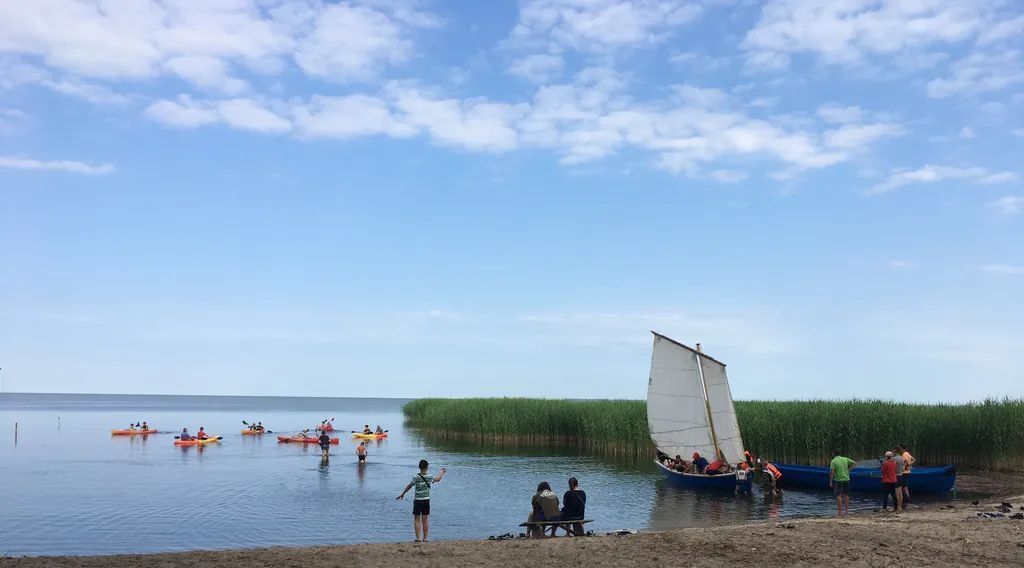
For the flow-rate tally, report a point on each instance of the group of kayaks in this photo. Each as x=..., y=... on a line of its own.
x=300, y=438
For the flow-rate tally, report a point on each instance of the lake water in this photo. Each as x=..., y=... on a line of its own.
x=69, y=487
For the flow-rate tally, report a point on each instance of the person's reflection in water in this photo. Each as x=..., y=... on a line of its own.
x=773, y=505
x=361, y=471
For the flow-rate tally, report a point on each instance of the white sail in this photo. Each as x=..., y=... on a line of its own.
x=677, y=413
x=723, y=413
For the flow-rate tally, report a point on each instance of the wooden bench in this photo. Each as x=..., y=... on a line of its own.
x=556, y=524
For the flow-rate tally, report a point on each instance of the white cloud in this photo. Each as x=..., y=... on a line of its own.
x=182, y=114
x=1009, y=205
x=849, y=32
x=352, y=42
x=474, y=124
x=599, y=25
x=1003, y=269
x=854, y=137
x=12, y=120
x=242, y=114
x=246, y=114
x=979, y=73
x=204, y=72
x=349, y=117
x=537, y=68
x=934, y=174
x=18, y=163
x=967, y=133
x=899, y=264
x=210, y=43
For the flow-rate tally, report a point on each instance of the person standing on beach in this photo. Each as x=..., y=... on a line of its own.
x=839, y=481
x=908, y=463
x=897, y=457
x=889, y=482
x=421, y=500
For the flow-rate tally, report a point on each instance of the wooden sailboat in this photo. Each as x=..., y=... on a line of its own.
x=690, y=409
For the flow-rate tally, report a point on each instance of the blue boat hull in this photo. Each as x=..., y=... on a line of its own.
x=932, y=480
x=724, y=482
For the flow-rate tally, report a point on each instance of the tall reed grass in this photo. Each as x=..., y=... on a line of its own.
x=987, y=434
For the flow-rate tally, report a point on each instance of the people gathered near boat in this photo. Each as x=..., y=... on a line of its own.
x=771, y=478
x=718, y=467
x=839, y=481
x=908, y=464
x=743, y=483
x=889, y=469
x=699, y=463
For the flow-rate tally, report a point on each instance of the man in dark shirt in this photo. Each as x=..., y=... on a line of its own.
x=574, y=504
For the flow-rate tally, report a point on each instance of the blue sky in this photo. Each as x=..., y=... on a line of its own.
x=400, y=198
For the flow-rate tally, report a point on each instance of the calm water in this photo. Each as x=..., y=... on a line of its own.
x=77, y=490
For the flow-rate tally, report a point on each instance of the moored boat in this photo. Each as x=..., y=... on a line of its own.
x=930, y=480
x=690, y=410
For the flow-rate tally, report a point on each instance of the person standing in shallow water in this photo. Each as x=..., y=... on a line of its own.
x=839, y=481
x=421, y=500
x=361, y=453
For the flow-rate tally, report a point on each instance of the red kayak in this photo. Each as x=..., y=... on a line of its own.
x=302, y=440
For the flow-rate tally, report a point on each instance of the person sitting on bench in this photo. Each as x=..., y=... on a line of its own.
x=574, y=504
x=545, y=508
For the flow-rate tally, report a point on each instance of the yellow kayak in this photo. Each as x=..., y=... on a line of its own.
x=369, y=436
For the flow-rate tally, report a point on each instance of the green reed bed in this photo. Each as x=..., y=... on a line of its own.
x=987, y=434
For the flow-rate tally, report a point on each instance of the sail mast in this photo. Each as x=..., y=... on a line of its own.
x=707, y=403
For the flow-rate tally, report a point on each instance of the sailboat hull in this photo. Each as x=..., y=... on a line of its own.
x=930, y=480
x=724, y=482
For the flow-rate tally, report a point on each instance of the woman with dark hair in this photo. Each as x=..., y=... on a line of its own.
x=574, y=506
x=545, y=508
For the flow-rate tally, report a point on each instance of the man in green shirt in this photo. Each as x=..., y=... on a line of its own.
x=839, y=481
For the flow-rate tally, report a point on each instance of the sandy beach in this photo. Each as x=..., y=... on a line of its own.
x=933, y=535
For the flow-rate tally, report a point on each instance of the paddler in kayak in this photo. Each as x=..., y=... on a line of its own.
x=380, y=431
x=259, y=427
x=201, y=434
x=185, y=436
x=366, y=429
x=145, y=426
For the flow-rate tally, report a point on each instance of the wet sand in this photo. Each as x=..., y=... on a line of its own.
x=932, y=535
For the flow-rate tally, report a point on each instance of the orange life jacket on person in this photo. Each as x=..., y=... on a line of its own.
x=772, y=469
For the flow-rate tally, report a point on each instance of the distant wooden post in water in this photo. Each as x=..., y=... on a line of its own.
x=15, y=433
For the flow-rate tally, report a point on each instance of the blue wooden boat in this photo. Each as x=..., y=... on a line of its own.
x=725, y=481
x=931, y=480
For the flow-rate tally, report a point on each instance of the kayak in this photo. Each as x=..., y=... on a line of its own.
x=132, y=432
x=301, y=440
x=934, y=480
x=248, y=432
x=327, y=429
x=196, y=442
x=369, y=436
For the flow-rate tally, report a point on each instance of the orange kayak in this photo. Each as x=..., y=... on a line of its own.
x=248, y=432
x=132, y=432
x=196, y=442
x=301, y=440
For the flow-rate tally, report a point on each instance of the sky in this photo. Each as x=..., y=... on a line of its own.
x=410, y=198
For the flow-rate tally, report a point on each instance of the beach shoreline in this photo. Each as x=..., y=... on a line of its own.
x=929, y=535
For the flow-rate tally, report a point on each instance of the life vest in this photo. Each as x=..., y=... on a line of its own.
x=772, y=469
